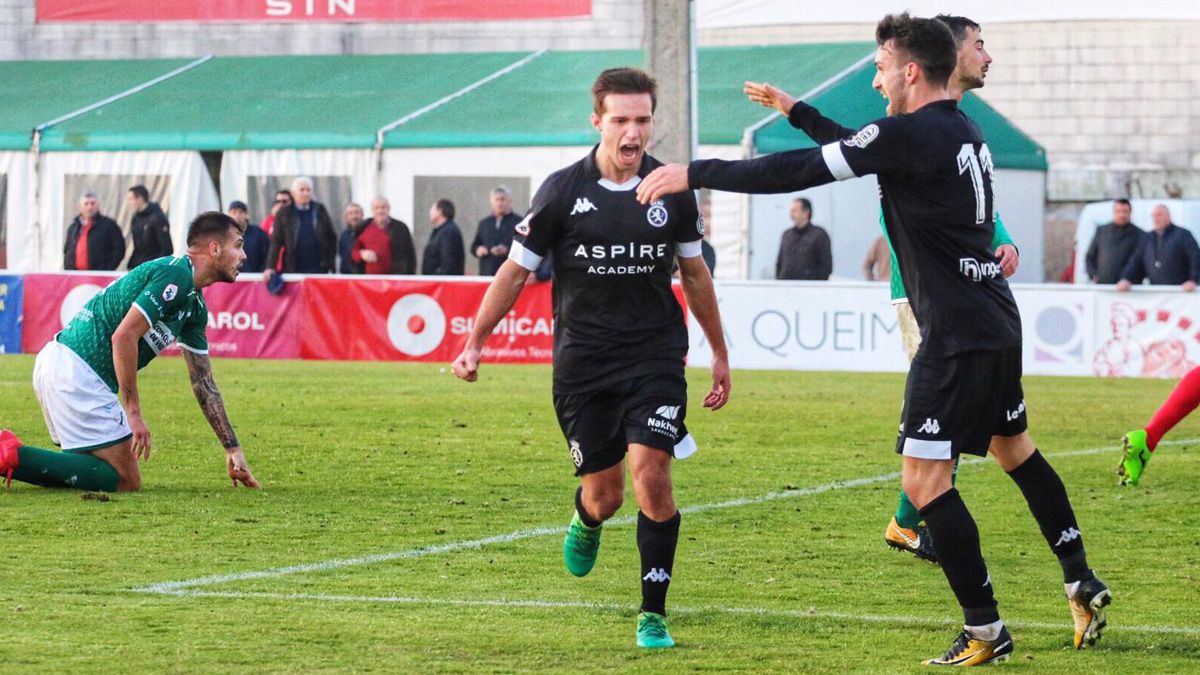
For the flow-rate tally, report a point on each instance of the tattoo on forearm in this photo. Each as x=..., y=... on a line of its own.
x=209, y=397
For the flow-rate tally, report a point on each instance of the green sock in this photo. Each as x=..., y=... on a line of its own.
x=907, y=515
x=64, y=469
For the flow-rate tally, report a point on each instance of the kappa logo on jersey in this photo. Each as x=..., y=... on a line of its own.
x=864, y=136
x=583, y=205
x=1011, y=415
x=668, y=412
x=170, y=292
x=523, y=227
x=931, y=426
x=576, y=453
x=657, y=215
x=976, y=270
x=657, y=575
x=1068, y=535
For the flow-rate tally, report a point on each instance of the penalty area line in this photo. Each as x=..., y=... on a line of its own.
x=172, y=587
x=504, y=603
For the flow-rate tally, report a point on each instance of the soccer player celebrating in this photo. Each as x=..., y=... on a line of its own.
x=1139, y=444
x=78, y=375
x=964, y=387
x=905, y=532
x=619, y=334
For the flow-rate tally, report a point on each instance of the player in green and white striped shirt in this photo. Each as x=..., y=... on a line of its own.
x=77, y=376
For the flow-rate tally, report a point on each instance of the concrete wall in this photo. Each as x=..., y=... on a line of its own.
x=1113, y=102
x=613, y=24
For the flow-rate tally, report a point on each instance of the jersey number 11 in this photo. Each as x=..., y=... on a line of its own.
x=977, y=164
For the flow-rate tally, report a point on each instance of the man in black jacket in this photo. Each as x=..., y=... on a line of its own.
x=494, y=235
x=444, y=252
x=352, y=224
x=304, y=232
x=1168, y=255
x=93, y=241
x=149, y=229
x=1113, y=246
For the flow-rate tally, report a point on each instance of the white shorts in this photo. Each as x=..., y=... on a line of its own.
x=80, y=411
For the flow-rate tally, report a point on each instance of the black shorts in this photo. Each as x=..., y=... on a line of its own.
x=600, y=425
x=955, y=404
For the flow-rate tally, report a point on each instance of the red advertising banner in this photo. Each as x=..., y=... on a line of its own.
x=244, y=320
x=394, y=320
x=308, y=10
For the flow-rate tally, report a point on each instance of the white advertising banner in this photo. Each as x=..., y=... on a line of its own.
x=851, y=326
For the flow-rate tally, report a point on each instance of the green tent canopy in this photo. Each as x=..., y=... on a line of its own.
x=853, y=103
x=510, y=99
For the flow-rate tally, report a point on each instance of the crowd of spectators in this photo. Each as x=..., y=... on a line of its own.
x=1122, y=253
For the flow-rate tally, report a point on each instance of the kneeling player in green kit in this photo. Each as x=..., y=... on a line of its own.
x=78, y=375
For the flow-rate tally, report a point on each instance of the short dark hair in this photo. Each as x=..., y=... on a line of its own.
x=805, y=204
x=623, y=81
x=926, y=42
x=140, y=192
x=446, y=207
x=1124, y=201
x=958, y=26
x=211, y=225
x=285, y=192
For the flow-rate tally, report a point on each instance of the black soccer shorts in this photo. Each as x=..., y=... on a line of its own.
x=600, y=425
x=955, y=404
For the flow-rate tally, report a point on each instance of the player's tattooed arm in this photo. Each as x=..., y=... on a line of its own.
x=209, y=397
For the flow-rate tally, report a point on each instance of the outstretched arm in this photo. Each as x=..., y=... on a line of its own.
x=799, y=114
x=213, y=406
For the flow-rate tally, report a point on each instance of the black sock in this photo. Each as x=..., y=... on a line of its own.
x=957, y=541
x=656, y=542
x=583, y=514
x=1051, y=508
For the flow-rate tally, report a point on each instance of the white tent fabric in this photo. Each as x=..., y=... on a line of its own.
x=17, y=170
x=741, y=13
x=189, y=191
x=237, y=166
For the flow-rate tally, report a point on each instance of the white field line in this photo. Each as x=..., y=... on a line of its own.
x=173, y=587
x=614, y=607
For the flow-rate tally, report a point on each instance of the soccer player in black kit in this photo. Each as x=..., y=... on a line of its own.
x=619, y=333
x=964, y=387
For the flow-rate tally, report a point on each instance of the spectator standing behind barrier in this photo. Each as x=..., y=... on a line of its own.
x=494, y=235
x=444, y=251
x=878, y=265
x=304, y=233
x=283, y=198
x=150, y=231
x=1113, y=246
x=1168, y=255
x=385, y=244
x=94, y=242
x=255, y=239
x=804, y=251
x=352, y=226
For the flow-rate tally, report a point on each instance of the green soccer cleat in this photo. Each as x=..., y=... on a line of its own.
x=652, y=631
x=1137, y=456
x=580, y=547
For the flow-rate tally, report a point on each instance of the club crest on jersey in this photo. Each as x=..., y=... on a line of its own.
x=170, y=292
x=864, y=136
x=657, y=215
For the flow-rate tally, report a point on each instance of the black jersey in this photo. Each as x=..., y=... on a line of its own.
x=615, y=315
x=935, y=185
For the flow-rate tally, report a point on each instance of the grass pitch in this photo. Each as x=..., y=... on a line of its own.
x=783, y=567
